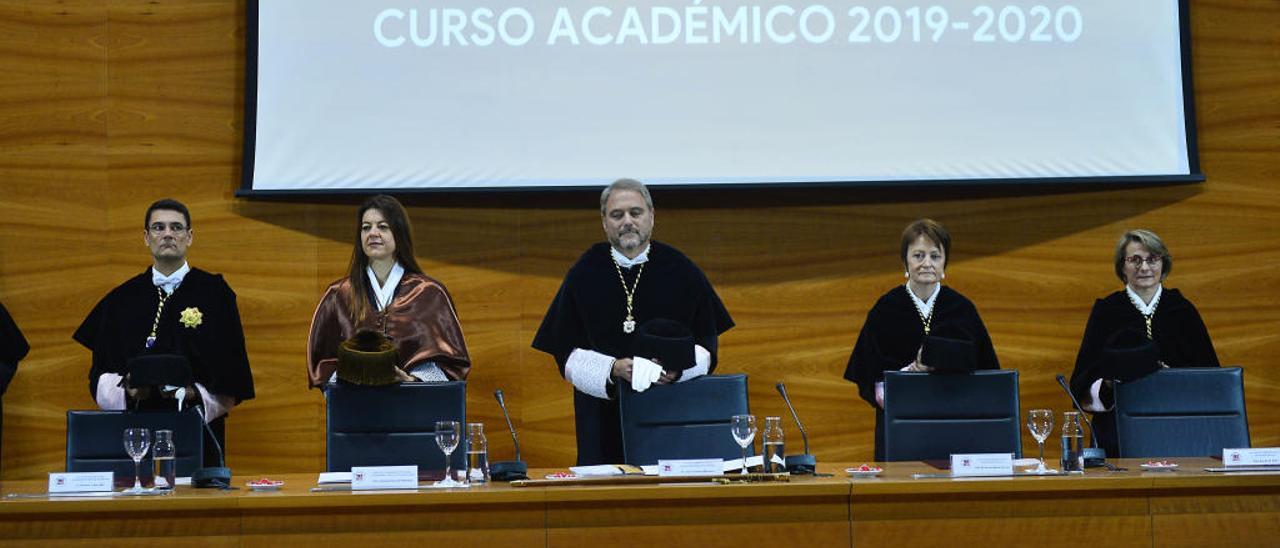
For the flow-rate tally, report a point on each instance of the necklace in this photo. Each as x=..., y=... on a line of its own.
x=629, y=324
x=926, y=320
x=155, y=325
x=1146, y=318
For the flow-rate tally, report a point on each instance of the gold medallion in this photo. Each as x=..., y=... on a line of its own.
x=629, y=325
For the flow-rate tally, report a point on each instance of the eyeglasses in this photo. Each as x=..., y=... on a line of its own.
x=1137, y=260
x=158, y=228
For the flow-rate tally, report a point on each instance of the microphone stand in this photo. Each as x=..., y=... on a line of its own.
x=798, y=464
x=1093, y=456
x=212, y=476
x=508, y=470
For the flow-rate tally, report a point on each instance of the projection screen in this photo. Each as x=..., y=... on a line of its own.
x=403, y=95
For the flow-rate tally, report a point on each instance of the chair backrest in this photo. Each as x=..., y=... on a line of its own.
x=931, y=416
x=1182, y=412
x=95, y=439
x=393, y=425
x=686, y=420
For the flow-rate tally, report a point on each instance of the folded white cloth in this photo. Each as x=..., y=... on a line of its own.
x=644, y=373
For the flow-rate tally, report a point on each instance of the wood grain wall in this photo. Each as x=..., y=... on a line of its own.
x=106, y=105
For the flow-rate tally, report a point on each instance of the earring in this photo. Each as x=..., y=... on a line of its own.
x=906, y=274
x=944, y=275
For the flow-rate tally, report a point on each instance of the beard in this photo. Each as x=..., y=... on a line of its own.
x=628, y=240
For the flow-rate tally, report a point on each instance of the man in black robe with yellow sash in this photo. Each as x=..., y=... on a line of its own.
x=170, y=309
x=613, y=288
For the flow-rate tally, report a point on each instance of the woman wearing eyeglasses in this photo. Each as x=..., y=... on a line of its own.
x=1136, y=331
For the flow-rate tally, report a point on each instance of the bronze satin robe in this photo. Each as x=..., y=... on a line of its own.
x=420, y=320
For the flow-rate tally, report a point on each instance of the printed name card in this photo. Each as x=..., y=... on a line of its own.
x=690, y=467
x=1260, y=456
x=80, y=482
x=982, y=464
x=365, y=478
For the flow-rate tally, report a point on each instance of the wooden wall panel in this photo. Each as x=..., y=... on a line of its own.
x=52, y=191
x=107, y=106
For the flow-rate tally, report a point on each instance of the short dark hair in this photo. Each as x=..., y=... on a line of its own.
x=168, y=204
x=931, y=230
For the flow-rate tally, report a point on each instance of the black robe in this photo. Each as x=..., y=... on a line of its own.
x=588, y=312
x=13, y=347
x=1179, y=334
x=892, y=335
x=118, y=326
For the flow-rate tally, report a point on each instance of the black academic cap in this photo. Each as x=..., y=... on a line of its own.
x=158, y=370
x=950, y=354
x=368, y=358
x=667, y=342
x=1129, y=355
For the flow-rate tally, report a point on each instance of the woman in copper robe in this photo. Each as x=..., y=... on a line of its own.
x=385, y=290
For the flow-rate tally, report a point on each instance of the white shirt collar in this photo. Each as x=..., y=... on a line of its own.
x=171, y=282
x=926, y=306
x=383, y=294
x=624, y=262
x=1146, y=309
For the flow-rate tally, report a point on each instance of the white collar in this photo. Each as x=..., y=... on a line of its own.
x=1146, y=309
x=171, y=282
x=383, y=294
x=926, y=306
x=624, y=262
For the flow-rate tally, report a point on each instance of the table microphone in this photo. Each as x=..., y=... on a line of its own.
x=1093, y=456
x=508, y=470
x=212, y=476
x=798, y=464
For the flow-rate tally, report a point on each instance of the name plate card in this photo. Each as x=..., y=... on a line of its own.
x=364, y=478
x=981, y=464
x=690, y=467
x=81, y=482
x=1261, y=456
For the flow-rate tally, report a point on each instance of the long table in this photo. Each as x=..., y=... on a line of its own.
x=1189, y=507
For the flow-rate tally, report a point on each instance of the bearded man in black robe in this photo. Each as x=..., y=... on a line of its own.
x=614, y=287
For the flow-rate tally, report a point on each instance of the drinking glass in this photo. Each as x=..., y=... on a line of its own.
x=743, y=428
x=447, y=436
x=136, y=443
x=1040, y=423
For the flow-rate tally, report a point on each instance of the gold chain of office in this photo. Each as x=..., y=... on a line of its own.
x=629, y=324
x=1146, y=318
x=155, y=325
x=927, y=320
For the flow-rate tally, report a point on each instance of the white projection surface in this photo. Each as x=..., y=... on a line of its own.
x=357, y=95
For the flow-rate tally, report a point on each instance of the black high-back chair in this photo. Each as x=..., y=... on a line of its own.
x=931, y=416
x=1182, y=412
x=393, y=425
x=687, y=420
x=95, y=439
